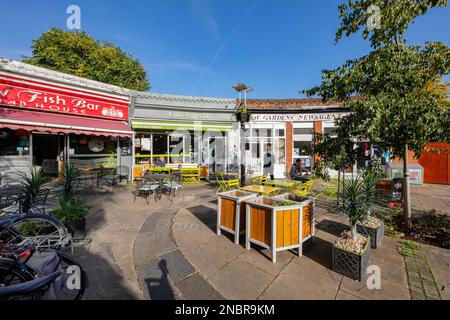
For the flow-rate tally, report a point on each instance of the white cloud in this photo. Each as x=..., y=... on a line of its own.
x=204, y=12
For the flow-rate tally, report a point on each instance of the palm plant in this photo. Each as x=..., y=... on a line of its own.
x=30, y=189
x=70, y=175
x=370, y=178
x=355, y=204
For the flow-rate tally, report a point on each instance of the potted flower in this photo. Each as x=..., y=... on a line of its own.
x=351, y=250
x=242, y=115
x=370, y=225
x=72, y=212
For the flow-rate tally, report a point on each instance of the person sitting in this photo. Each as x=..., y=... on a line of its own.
x=297, y=171
x=160, y=162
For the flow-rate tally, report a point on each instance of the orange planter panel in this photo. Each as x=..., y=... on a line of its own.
x=307, y=221
x=260, y=225
x=287, y=228
x=228, y=209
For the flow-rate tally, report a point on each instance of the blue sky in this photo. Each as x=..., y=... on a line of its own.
x=202, y=47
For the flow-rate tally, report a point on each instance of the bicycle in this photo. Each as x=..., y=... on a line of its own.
x=22, y=263
x=47, y=231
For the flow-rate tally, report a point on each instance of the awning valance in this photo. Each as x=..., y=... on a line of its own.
x=181, y=125
x=48, y=122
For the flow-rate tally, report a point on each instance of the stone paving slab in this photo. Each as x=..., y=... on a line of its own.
x=195, y=287
x=240, y=274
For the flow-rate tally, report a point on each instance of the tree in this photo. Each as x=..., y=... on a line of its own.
x=79, y=54
x=396, y=107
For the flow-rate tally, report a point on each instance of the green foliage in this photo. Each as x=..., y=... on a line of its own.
x=70, y=175
x=405, y=244
x=79, y=54
x=370, y=177
x=354, y=205
x=30, y=189
x=71, y=209
x=320, y=171
x=396, y=104
x=336, y=151
x=396, y=16
x=285, y=204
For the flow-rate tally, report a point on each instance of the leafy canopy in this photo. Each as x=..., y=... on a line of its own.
x=79, y=54
x=395, y=102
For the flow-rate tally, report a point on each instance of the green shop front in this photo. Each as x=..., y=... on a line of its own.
x=183, y=132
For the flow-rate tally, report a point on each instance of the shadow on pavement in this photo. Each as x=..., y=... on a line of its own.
x=104, y=278
x=160, y=288
x=206, y=215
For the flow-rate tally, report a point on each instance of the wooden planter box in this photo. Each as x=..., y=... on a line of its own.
x=351, y=264
x=275, y=227
x=308, y=212
x=376, y=235
x=231, y=212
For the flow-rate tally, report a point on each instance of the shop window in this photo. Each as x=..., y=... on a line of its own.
x=159, y=143
x=14, y=143
x=262, y=132
x=302, y=148
x=303, y=131
x=176, y=147
x=279, y=132
x=331, y=131
x=280, y=148
x=92, y=145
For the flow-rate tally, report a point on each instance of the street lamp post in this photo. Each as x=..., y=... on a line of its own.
x=240, y=87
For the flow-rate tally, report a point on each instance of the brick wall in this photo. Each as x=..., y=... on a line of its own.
x=317, y=129
x=289, y=145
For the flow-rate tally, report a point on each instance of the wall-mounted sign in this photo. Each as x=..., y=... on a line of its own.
x=296, y=117
x=96, y=145
x=18, y=94
x=188, y=115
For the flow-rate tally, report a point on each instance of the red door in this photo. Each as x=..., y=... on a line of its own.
x=436, y=165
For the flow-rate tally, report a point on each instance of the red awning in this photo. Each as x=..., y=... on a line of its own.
x=60, y=123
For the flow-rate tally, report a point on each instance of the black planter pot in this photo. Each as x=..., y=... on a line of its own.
x=77, y=228
x=243, y=116
x=350, y=264
x=376, y=235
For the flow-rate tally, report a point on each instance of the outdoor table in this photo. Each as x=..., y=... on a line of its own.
x=280, y=183
x=265, y=190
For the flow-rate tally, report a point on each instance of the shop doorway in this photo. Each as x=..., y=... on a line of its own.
x=214, y=153
x=46, y=151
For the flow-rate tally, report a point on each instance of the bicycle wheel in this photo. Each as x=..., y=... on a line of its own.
x=12, y=275
x=75, y=278
x=47, y=232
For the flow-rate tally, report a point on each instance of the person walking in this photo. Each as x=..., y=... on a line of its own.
x=269, y=162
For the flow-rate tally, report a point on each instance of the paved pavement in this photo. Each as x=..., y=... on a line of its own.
x=427, y=197
x=167, y=250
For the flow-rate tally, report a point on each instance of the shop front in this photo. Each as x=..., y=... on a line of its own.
x=289, y=127
x=182, y=131
x=49, y=118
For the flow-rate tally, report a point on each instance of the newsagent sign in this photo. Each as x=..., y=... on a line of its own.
x=61, y=100
x=298, y=117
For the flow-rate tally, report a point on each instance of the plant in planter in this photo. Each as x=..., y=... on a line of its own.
x=30, y=190
x=351, y=250
x=70, y=175
x=370, y=225
x=72, y=212
x=242, y=115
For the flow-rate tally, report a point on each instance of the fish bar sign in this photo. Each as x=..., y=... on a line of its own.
x=36, y=98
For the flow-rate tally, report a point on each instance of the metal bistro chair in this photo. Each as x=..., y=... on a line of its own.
x=259, y=180
x=146, y=187
x=173, y=187
x=233, y=184
x=109, y=175
x=222, y=182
